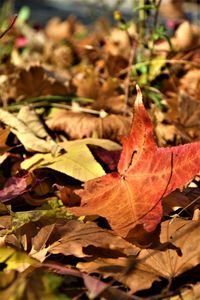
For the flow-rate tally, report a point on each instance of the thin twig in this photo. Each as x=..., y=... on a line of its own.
x=9, y=27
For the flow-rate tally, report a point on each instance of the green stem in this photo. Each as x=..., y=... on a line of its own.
x=155, y=25
x=142, y=16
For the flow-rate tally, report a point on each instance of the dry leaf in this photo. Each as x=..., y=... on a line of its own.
x=72, y=238
x=187, y=200
x=85, y=80
x=16, y=185
x=78, y=163
x=80, y=125
x=3, y=138
x=180, y=240
x=26, y=136
x=190, y=83
x=75, y=236
x=186, y=36
x=103, y=143
x=33, y=82
x=28, y=115
x=58, y=30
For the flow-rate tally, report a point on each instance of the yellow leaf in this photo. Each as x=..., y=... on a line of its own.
x=16, y=260
x=78, y=163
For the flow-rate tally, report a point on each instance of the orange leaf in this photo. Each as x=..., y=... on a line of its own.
x=146, y=173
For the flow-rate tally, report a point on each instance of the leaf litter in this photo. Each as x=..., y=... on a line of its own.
x=96, y=181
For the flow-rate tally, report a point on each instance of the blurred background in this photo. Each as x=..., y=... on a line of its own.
x=88, y=10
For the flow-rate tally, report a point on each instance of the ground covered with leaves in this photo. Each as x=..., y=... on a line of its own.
x=99, y=160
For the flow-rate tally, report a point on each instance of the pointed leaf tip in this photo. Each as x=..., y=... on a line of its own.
x=146, y=173
x=138, y=100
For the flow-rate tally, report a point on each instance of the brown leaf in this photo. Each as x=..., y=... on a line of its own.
x=85, y=80
x=74, y=236
x=187, y=200
x=190, y=83
x=109, y=98
x=180, y=241
x=60, y=56
x=80, y=125
x=107, y=93
x=25, y=135
x=188, y=117
x=3, y=138
x=186, y=36
x=58, y=30
x=118, y=42
x=30, y=83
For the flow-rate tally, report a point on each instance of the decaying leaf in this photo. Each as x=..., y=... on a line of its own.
x=28, y=116
x=190, y=83
x=26, y=136
x=76, y=235
x=185, y=200
x=146, y=173
x=36, y=284
x=178, y=253
x=3, y=137
x=34, y=82
x=17, y=185
x=187, y=35
x=80, y=125
x=188, y=116
x=71, y=237
x=57, y=30
x=95, y=287
x=16, y=260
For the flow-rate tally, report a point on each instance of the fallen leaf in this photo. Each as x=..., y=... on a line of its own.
x=189, y=114
x=186, y=36
x=118, y=41
x=180, y=240
x=84, y=81
x=34, y=82
x=146, y=173
x=80, y=125
x=187, y=293
x=16, y=186
x=3, y=138
x=60, y=56
x=26, y=136
x=57, y=30
x=34, y=284
x=76, y=235
x=28, y=115
x=16, y=260
x=190, y=83
x=103, y=143
x=94, y=285
x=78, y=163
x=109, y=159
x=185, y=200
x=43, y=234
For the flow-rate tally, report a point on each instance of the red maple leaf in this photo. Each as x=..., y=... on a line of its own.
x=146, y=173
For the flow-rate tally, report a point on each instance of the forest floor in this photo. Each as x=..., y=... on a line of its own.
x=99, y=158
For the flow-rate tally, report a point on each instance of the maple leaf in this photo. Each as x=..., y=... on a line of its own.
x=179, y=252
x=146, y=173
